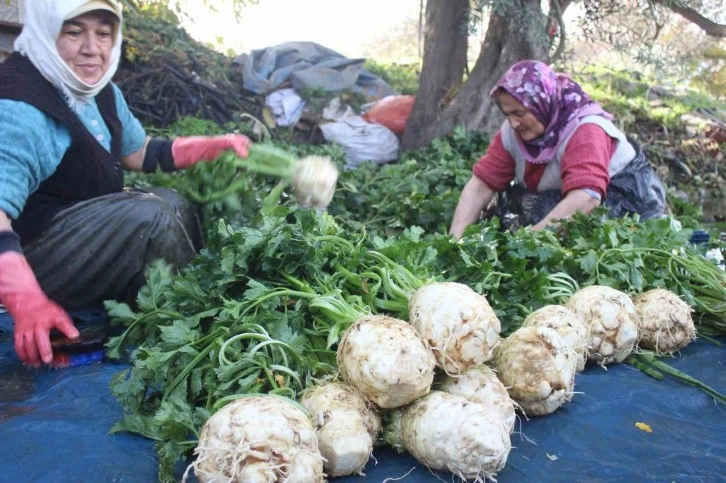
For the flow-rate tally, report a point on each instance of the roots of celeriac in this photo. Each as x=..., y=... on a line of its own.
x=261, y=438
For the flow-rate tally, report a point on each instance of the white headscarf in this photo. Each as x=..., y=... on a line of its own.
x=42, y=26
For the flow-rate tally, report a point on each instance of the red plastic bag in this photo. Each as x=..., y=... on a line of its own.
x=392, y=112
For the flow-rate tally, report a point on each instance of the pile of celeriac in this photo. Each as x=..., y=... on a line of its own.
x=443, y=386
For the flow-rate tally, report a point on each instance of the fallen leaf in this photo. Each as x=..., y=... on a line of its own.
x=280, y=380
x=644, y=427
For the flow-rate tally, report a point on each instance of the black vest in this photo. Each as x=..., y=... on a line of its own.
x=86, y=171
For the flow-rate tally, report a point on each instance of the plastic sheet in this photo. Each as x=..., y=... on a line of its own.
x=362, y=141
x=636, y=189
x=307, y=65
x=391, y=111
x=54, y=427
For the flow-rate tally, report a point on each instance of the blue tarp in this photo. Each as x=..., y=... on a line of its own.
x=54, y=428
x=307, y=65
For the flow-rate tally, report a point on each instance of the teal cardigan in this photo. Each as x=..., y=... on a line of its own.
x=32, y=145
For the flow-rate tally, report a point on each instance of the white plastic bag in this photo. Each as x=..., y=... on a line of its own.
x=286, y=106
x=362, y=141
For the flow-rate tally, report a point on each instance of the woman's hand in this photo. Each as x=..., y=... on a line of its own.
x=184, y=152
x=34, y=315
x=574, y=201
x=188, y=151
x=475, y=196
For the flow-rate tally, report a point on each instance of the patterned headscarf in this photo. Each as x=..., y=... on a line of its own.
x=43, y=23
x=554, y=99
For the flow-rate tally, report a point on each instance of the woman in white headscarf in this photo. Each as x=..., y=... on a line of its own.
x=70, y=235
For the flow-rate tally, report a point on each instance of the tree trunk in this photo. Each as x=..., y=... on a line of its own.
x=444, y=62
x=516, y=31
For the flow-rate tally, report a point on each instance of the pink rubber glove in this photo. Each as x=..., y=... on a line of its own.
x=188, y=151
x=33, y=313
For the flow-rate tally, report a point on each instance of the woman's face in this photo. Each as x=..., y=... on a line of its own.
x=524, y=123
x=85, y=44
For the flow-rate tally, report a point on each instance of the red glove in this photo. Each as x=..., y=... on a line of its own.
x=33, y=313
x=188, y=151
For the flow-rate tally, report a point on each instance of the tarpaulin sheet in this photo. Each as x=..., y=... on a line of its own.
x=307, y=65
x=54, y=428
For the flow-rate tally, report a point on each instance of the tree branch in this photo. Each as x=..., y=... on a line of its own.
x=557, y=9
x=710, y=27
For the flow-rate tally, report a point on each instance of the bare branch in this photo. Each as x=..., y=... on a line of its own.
x=710, y=27
x=557, y=9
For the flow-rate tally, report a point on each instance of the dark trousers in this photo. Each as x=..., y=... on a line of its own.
x=98, y=249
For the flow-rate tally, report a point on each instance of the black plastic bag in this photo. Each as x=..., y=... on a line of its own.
x=636, y=189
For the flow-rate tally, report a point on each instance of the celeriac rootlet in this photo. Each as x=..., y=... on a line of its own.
x=480, y=384
x=346, y=425
x=611, y=317
x=386, y=359
x=567, y=324
x=262, y=438
x=457, y=322
x=665, y=321
x=448, y=432
x=538, y=369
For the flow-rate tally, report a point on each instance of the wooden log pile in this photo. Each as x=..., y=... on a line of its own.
x=166, y=75
x=161, y=92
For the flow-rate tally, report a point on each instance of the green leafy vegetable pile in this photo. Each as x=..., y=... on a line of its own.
x=261, y=309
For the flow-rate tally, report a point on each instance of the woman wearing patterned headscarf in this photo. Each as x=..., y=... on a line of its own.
x=559, y=145
x=70, y=235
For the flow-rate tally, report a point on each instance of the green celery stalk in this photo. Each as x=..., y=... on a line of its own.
x=265, y=159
